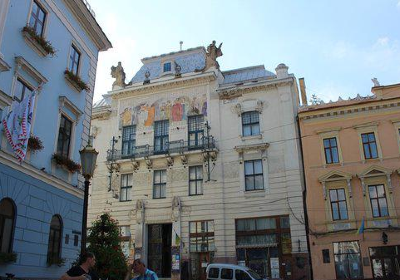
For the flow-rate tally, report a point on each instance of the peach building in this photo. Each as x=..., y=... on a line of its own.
x=351, y=151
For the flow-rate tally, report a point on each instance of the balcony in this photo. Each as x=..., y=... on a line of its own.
x=179, y=147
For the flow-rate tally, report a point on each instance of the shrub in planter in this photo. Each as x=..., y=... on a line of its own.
x=46, y=45
x=7, y=257
x=77, y=80
x=71, y=165
x=35, y=144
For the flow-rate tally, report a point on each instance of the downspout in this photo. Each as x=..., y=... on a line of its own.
x=305, y=197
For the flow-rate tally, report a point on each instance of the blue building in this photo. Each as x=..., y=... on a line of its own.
x=52, y=46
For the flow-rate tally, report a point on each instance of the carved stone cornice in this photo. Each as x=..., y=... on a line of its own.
x=101, y=113
x=163, y=85
x=368, y=107
x=236, y=91
x=251, y=147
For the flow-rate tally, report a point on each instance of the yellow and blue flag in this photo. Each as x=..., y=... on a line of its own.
x=362, y=227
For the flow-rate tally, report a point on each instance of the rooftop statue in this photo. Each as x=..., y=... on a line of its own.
x=119, y=75
x=213, y=52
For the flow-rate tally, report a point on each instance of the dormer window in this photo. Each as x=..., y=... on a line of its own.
x=167, y=67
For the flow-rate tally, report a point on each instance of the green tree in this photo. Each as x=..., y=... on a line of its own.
x=104, y=243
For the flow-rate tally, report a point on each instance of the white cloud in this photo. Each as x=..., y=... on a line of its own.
x=398, y=5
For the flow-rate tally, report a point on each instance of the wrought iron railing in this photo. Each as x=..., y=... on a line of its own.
x=172, y=147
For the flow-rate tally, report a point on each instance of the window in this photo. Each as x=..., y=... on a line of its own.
x=201, y=234
x=226, y=273
x=331, y=150
x=54, y=246
x=161, y=131
x=21, y=89
x=241, y=275
x=195, y=180
x=250, y=123
x=126, y=187
x=369, y=145
x=257, y=231
x=38, y=16
x=377, y=197
x=253, y=171
x=128, y=140
x=167, y=67
x=338, y=204
x=7, y=222
x=74, y=58
x=160, y=184
x=64, y=136
x=347, y=260
x=213, y=272
x=196, y=131
x=325, y=256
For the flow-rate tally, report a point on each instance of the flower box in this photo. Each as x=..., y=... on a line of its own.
x=41, y=45
x=69, y=164
x=35, y=144
x=7, y=257
x=75, y=81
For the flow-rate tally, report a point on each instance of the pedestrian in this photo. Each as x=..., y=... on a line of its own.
x=83, y=271
x=144, y=273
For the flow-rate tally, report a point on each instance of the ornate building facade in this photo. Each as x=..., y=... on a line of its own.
x=351, y=154
x=202, y=166
x=41, y=200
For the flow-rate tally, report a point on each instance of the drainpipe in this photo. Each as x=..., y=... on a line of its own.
x=305, y=197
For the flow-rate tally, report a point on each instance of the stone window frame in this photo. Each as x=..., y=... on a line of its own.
x=253, y=152
x=396, y=124
x=75, y=46
x=41, y=4
x=336, y=179
x=71, y=112
x=126, y=187
x=377, y=175
x=330, y=133
x=249, y=105
x=368, y=128
x=197, y=180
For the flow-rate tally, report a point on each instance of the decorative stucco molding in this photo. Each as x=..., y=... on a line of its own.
x=334, y=176
x=21, y=63
x=64, y=102
x=376, y=171
x=261, y=147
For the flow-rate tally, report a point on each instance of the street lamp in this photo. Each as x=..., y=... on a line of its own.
x=88, y=162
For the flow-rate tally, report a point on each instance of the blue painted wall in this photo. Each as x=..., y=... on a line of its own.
x=36, y=201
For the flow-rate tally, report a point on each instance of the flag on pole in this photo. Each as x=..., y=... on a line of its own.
x=362, y=226
x=17, y=125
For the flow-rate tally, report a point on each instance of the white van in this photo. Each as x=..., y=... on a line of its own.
x=220, y=271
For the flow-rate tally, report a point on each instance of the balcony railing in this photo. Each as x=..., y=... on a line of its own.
x=172, y=147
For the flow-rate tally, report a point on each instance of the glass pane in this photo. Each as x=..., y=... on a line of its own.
x=366, y=151
x=249, y=182
x=341, y=194
x=377, y=268
x=333, y=195
x=258, y=182
x=381, y=190
x=226, y=273
x=199, y=187
x=333, y=142
x=384, y=208
x=258, y=167
x=285, y=222
x=248, y=168
x=192, y=188
x=199, y=172
x=374, y=150
x=326, y=143
x=375, y=209
x=328, y=156
x=130, y=179
x=335, y=155
x=372, y=192
x=246, y=130
x=192, y=227
x=157, y=191
x=343, y=210
x=164, y=176
x=157, y=176
x=371, y=137
x=210, y=225
x=364, y=138
x=128, y=194
x=255, y=129
x=241, y=225
x=192, y=173
x=163, y=191
x=335, y=211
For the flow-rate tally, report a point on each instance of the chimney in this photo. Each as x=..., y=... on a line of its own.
x=282, y=71
x=303, y=91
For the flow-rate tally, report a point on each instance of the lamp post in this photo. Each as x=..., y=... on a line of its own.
x=88, y=162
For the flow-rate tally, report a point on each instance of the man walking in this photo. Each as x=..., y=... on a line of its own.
x=83, y=271
x=139, y=267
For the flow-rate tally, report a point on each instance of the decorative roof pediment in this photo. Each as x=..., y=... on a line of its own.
x=374, y=171
x=335, y=175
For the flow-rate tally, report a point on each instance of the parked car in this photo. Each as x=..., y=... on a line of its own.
x=221, y=271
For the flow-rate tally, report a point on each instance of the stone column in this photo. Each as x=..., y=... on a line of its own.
x=176, y=243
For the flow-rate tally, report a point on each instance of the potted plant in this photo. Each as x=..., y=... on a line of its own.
x=41, y=44
x=76, y=81
x=56, y=261
x=7, y=257
x=69, y=164
x=35, y=144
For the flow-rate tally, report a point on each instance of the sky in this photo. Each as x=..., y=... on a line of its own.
x=337, y=46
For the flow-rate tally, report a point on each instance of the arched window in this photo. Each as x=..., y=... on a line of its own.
x=7, y=221
x=54, y=247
